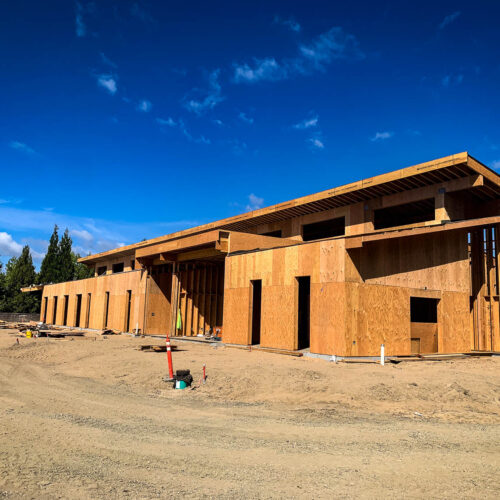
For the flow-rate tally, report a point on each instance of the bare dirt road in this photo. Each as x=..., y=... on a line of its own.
x=91, y=418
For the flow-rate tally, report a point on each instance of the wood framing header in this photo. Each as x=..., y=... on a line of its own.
x=424, y=174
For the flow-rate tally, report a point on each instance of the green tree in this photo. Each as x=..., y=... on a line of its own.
x=21, y=273
x=81, y=271
x=3, y=291
x=65, y=260
x=49, y=270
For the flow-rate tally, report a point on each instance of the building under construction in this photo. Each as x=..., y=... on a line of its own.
x=408, y=259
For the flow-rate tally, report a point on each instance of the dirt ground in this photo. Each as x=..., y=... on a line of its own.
x=92, y=418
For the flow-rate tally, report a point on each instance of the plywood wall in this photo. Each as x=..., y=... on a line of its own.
x=117, y=286
x=359, y=299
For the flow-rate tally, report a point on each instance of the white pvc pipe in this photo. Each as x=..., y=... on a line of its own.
x=382, y=354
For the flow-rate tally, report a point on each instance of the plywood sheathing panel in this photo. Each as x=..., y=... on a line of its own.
x=358, y=299
x=117, y=286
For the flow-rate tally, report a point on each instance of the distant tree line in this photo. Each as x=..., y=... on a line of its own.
x=59, y=264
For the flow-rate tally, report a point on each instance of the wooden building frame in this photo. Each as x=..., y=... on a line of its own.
x=408, y=259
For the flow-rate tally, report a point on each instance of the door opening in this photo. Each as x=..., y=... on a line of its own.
x=423, y=325
x=66, y=303
x=54, y=315
x=106, y=310
x=87, y=319
x=46, y=300
x=303, y=313
x=78, y=310
x=256, y=310
x=129, y=307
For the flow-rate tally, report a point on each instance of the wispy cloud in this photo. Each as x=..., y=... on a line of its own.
x=9, y=247
x=199, y=101
x=22, y=147
x=80, y=26
x=381, y=136
x=449, y=80
x=449, y=19
x=495, y=164
x=108, y=82
x=169, y=122
x=290, y=23
x=316, y=143
x=144, y=106
x=218, y=122
x=107, y=61
x=140, y=13
x=254, y=202
x=307, y=123
x=245, y=118
x=89, y=235
x=330, y=46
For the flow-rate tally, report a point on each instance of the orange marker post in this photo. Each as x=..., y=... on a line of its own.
x=169, y=358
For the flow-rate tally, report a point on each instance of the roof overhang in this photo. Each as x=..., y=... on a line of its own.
x=212, y=245
x=467, y=225
x=435, y=172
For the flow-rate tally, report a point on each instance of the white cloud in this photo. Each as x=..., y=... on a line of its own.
x=169, y=122
x=107, y=61
x=495, y=164
x=254, y=202
x=381, y=136
x=450, y=80
x=22, y=147
x=144, y=106
x=89, y=235
x=244, y=118
x=449, y=19
x=80, y=27
x=201, y=101
x=262, y=69
x=332, y=45
x=83, y=235
x=137, y=11
x=218, y=122
x=316, y=143
x=289, y=23
x=307, y=123
x=108, y=82
x=197, y=140
x=9, y=247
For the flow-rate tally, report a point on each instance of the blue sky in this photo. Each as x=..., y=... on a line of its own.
x=127, y=120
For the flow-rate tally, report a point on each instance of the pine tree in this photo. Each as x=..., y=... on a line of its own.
x=21, y=273
x=3, y=292
x=81, y=270
x=65, y=259
x=49, y=270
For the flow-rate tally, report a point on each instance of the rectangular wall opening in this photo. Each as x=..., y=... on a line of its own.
x=324, y=229
x=66, y=304
x=45, y=304
x=118, y=268
x=256, y=310
x=303, y=312
x=54, y=315
x=274, y=234
x=87, y=316
x=78, y=310
x=101, y=271
x=424, y=325
x=402, y=215
x=128, y=309
x=106, y=309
